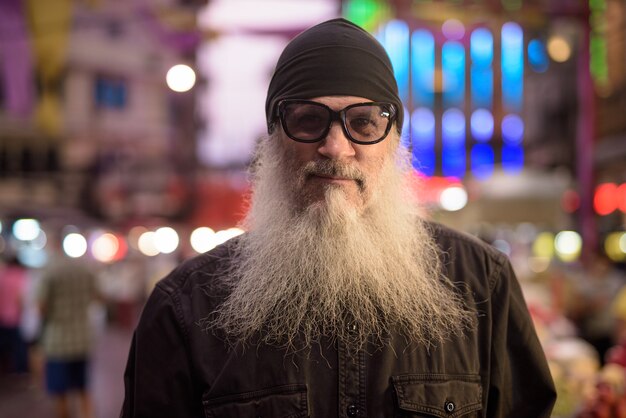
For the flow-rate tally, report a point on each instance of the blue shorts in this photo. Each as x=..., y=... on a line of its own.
x=63, y=375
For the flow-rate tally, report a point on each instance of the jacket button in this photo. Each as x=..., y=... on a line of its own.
x=352, y=410
x=450, y=407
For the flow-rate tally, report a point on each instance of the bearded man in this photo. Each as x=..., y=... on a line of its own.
x=340, y=300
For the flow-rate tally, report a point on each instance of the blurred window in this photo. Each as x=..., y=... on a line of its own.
x=110, y=92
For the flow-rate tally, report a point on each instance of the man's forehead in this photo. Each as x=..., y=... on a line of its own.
x=340, y=100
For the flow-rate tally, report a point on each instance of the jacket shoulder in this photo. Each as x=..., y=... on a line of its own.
x=199, y=271
x=467, y=258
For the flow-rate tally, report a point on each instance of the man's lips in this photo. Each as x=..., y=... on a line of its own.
x=338, y=180
x=333, y=173
x=327, y=177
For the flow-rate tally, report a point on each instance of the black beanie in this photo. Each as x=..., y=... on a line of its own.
x=334, y=58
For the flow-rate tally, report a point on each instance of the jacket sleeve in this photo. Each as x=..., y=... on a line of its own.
x=521, y=384
x=158, y=379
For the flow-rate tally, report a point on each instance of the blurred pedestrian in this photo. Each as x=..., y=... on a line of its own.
x=66, y=290
x=13, y=282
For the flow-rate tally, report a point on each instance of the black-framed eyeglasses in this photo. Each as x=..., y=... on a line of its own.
x=362, y=123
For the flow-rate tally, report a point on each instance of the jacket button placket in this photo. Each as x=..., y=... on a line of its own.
x=351, y=385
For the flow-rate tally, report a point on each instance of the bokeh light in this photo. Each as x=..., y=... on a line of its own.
x=202, y=239
x=512, y=66
x=453, y=125
x=544, y=245
x=423, y=67
x=512, y=129
x=453, y=29
x=105, y=247
x=605, y=198
x=453, y=143
x=482, y=156
x=395, y=36
x=453, y=70
x=146, y=244
x=537, y=56
x=568, y=245
x=481, y=47
x=26, y=229
x=181, y=78
x=453, y=198
x=74, y=245
x=224, y=235
x=615, y=246
x=32, y=257
x=166, y=240
x=559, y=48
x=512, y=158
x=481, y=124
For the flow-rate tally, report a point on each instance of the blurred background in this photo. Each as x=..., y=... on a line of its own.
x=126, y=128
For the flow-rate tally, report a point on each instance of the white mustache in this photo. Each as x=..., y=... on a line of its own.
x=332, y=168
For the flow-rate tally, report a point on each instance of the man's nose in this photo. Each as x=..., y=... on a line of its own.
x=336, y=145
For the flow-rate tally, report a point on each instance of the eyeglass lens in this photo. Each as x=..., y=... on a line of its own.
x=310, y=121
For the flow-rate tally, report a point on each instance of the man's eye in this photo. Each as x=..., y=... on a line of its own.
x=309, y=119
x=362, y=122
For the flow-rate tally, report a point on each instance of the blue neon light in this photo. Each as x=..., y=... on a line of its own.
x=423, y=138
x=453, y=67
x=423, y=67
x=482, y=87
x=453, y=162
x=537, y=56
x=453, y=143
x=481, y=53
x=482, y=161
x=481, y=47
x=512, y=158
x=395, y=39
x=453, y=126
x=512, y=129
x=481, y=125
x=512, y=65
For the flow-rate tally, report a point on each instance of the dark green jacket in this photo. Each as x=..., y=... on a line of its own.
x=177, y=370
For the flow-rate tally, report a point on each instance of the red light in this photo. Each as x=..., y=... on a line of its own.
x=122, y=248
x=570, y=201
x=605, y=198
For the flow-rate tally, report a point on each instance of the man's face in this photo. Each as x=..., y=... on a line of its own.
x=336, y=162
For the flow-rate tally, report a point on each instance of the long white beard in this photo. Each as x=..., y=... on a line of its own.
x=306, y=273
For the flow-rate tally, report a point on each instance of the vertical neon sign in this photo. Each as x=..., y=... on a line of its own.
x=453, y=119
x=512, y=125
x=481, y=122
x=395, y=38
x=422, y=67
x=423, y=118
x=453, y=68
x=512, y=66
